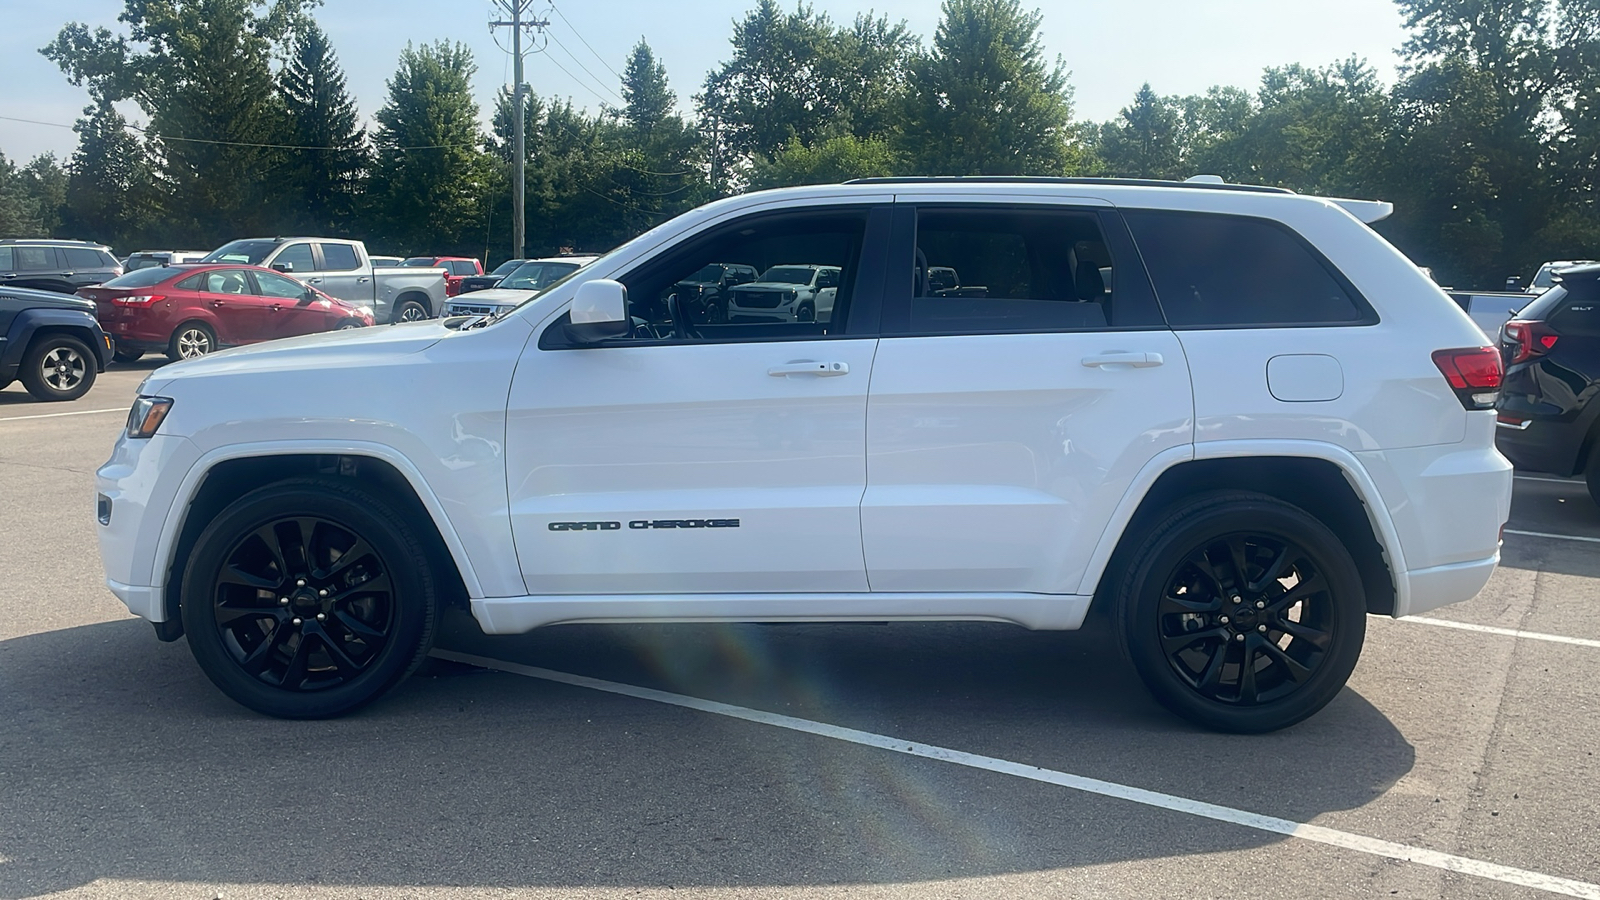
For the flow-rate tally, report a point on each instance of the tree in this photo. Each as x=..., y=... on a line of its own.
x=109, y=183
x=1144, y=141
x=19, y=214
x=201, y=70
x=431, y=178
x=985, y=101
x=833, y=160
x=649, y=169
x=325, y=173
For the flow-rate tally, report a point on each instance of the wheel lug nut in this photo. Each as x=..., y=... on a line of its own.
x=1260, y=628
x=295, y=621
x=1261, y=604
x=1236, y=600
x=1224, y=620
x=301, y=582
x=323, y=617
x=1238, y=637
x=283, y=601
x=322, y=593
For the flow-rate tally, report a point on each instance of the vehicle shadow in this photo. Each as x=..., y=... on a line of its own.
x=120, y=760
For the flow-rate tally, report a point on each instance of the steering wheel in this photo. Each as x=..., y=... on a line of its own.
x=682, y=325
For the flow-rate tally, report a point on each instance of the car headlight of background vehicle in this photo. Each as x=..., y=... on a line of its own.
x=147, y=415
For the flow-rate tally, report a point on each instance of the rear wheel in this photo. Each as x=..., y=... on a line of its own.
x=58, y=367
x=409, y=311
x=308, y=599
x=1591, y=475
x=127, y=354
x=1242, y=613
x=191, y=340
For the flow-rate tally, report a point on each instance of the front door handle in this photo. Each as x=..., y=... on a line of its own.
x=313, y=281
x=1120, y=358
x=810, y=367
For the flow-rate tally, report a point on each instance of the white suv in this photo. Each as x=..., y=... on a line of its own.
x=786, y=293
x=1234, y=419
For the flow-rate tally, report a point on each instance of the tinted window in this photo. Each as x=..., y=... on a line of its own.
x=35, y=259
x=295, y=258
x=192, y=283
x=339, y=258
x=1000, y=270
x=227, y=281
x=141, y=278
x=143, y=261
x=1226, y=271
x=507, y=267
x=421, y=262
x=277, y=286
x=537, y=276
x=790, y=248
x=8, y=261
x=463, y=267
x=250, y=253
x=83, y=258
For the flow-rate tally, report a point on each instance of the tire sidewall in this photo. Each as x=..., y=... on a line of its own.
x=400, y=311
x=1193, y=525
x=173, y=352
x=32, y=373
x=390, y=537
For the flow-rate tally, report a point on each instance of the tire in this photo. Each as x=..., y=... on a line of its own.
x=251, y=599
x=347, y=325
x=127, y=355
x=408, y=311
x=1181, y=584
x=191, y=340
x=806, y=313
x=58, y=367
x=1591, y=475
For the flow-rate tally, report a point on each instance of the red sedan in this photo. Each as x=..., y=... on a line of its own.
x=188, y=311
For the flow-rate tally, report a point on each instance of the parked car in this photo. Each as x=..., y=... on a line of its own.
x=1544, y=279
x=786, y=293
x=189, y=311
x=528, y=280
x=60, y=266
x=491, y=279
x=387, y=261
x=456, y=268
x=51, y=342
x=342, y=269
x=145, y=259
x=1266, y=425
x=1548, y=420
x=706, y=291
x=1490, y=309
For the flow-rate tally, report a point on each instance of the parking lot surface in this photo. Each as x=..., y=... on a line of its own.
x=907, y=760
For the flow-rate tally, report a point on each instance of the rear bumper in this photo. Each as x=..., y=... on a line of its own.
x=1442, y=585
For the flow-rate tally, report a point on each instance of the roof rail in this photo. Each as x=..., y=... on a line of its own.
x=1041, y=179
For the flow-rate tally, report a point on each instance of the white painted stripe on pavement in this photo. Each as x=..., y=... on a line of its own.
x=1316, y=833
x=76, y=412
x=1559, y=537
x=1571, y=481
x=1506, y=632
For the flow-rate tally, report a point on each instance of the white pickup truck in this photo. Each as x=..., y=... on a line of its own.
x=343, y=269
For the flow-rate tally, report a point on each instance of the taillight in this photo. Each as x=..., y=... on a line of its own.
x=1474, y=373
x=1529, y=338
x=138, y=299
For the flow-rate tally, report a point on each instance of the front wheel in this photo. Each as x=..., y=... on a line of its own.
x=1242, y=613
x=308, y=599
x=58, y=367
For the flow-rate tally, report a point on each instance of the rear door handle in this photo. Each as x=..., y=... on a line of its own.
x=810, y=367
x=361, y=280
x=313, y=281
x=1120, y=358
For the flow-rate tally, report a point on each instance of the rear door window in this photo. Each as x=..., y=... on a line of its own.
x=463, y=267
x=1222, y=271
x=36, y=259
x=339, y=258
x=84, y=258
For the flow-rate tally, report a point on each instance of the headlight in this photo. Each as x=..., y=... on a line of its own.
x=147, y=415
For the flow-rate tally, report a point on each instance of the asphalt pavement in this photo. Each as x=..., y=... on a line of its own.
x=906, y=760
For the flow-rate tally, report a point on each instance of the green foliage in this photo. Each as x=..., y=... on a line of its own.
x=985, y=100
x=110, y=188
x=834, y=160
x=1144, y=141
x=323, y=175
x=431, y=176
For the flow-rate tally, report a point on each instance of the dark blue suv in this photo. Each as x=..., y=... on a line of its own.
x=51, y=342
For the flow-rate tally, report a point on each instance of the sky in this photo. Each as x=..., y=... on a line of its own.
x=1111, y=48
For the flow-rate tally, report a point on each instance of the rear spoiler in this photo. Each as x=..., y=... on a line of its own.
x=1368, y=211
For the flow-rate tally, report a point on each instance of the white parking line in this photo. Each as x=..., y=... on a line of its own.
x=1577, y=482
x=1559, y=537
x=76, y=412
x=1505, y=632
x=1315, y=833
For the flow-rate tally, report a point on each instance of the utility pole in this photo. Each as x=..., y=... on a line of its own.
x=518, y=9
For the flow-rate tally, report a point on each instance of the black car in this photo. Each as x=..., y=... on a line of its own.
x=491, y=279
x=60, y=266
x=51, y=342
x=705, y=292
x=1548, y=420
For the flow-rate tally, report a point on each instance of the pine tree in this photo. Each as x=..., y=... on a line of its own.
x=109, y=187
x=322, y=115
x=984, y=100
x=45, y=182
x=431, y=178
x=1143, y=141
x=19, y=214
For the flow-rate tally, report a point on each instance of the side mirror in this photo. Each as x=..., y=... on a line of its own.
x=283, y=267
x=599, y=312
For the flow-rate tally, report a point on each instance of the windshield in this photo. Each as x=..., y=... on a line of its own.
x=537, y=276
x=1545, y=277
x=142, y=262
x=507, y=267
x=142, y=277
x=425, y=262
x=712, y=272
x=786, y=275
x=250, y=253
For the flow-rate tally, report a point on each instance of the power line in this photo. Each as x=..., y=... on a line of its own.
x=579, y=81
x=584, y=67
x=580, y=37
x=167, y=137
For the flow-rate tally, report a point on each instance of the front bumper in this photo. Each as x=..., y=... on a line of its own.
x=140, y=481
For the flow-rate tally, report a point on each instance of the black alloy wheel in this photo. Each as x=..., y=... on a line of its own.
x=58, y=367
x=1243, y=613
x=308, y=599
x=410, y=311
x=806, y=313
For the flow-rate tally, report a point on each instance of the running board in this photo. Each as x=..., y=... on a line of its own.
x=1041, y=612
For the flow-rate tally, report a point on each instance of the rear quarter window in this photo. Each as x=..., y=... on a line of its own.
x=1223, y=271
x=82, y=258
